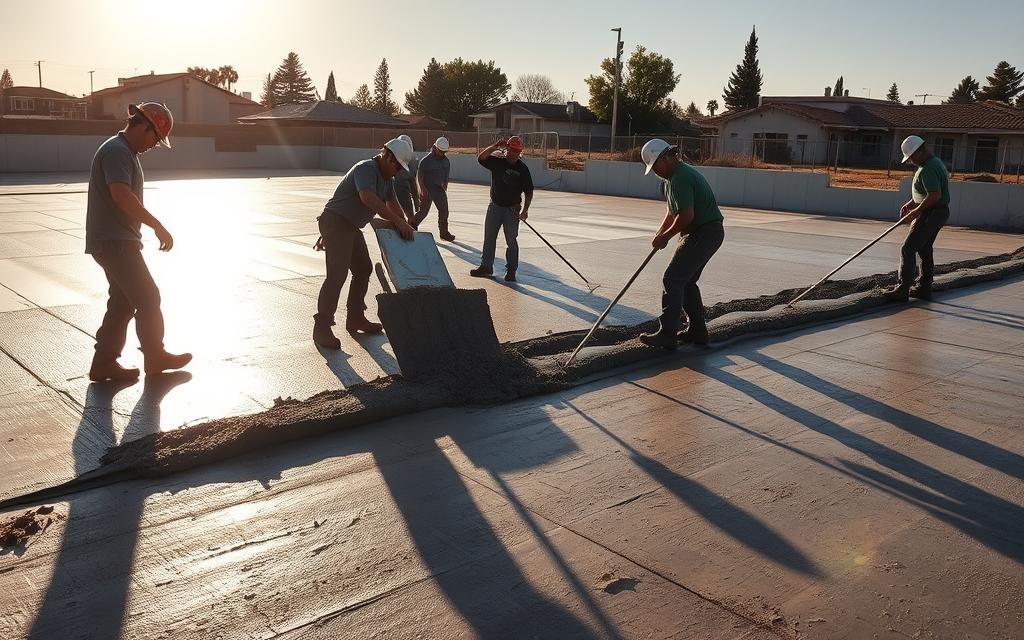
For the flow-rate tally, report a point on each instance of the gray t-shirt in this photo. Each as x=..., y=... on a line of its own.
x=434, y=170
x=364, y=175
x=405, y=178
x=106, y=226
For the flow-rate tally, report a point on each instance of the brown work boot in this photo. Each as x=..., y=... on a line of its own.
x=161, y=361
x=899, y=293
x=481, y=272
x=107, y=369
x=691, y=336
x=357, y=324
x=659, y=339
x=324, y=337
x=447, y=237
x=921, y=292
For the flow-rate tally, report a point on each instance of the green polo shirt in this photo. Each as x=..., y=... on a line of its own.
x=931, y=177
x=688, y=188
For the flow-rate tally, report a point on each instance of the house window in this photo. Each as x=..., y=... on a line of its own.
x=944, y=149
x=870, y=145
x=23, y=104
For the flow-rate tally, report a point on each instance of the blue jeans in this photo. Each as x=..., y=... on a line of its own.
x=501, y=218
x=680, y=279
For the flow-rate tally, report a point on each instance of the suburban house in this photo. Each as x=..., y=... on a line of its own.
x=41, y=103
x=861, y=132
x=190, y=99
x=324, y=113
x=424, y=122
x=526, y=117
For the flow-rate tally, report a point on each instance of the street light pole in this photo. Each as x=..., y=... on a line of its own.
x=90, y=81
x=618, y=76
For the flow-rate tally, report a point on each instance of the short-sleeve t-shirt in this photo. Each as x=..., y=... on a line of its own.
x=932, y=177
x=364, y=175
x=405, y=178
x=435, y=170
x=688, y=188
x=508, y=181
x=105, y=224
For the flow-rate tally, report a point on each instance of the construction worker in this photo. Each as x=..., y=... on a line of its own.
x=367, y=189
x=406, y=187
x=113, y=236
x=692, y=213
x=511, y=195
x=432, y=176
x=928, y=208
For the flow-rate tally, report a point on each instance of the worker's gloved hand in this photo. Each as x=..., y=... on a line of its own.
x=905, y=209
x=660, y=241
x=319, y=245
x=406, y=231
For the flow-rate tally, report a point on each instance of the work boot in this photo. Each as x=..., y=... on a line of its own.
x=659, y=339
x=510, y=275
x=447, y=237
x=921, y=292
x=693, y=336
x=104, y=369
x=160, y=361
x=481, y=272
x=899, y=293
x=324, y=337
x=356, y=324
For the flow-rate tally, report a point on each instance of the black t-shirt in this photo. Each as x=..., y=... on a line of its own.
x=508, y=181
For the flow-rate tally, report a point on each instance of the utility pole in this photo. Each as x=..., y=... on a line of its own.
x=924, y=96
x=618, y=76
x=90, y=81
x=39, y=65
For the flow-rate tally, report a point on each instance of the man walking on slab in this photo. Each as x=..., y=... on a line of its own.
x=113, y=236
x=693, y=214
x=432, y=176
x=367, y=189
x=928, y=208
x=511, y=195
x=406, y=188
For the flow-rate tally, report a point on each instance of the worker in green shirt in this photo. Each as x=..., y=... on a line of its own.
x=693, y=214
x=929, y=210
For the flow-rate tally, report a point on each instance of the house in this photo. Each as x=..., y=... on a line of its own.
x=861, y=132
x=190, y=99
x=41, y=103
x=526, y=117
x=325, y=113
x=424, y=122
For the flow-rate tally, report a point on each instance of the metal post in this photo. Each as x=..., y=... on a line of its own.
x=618, y=74
x=590, y=135
x=1002, y=165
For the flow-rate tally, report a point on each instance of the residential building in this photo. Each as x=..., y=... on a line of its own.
x=41, y=103
x=190, y=99
x=325, y=113
x=524, y=117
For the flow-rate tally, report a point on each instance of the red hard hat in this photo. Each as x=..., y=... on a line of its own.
x=159, y=116
x=515, y=143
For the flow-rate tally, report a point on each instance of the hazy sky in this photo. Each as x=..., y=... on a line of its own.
x=925, y=47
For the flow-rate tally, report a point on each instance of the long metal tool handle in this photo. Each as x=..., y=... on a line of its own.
x=610, y=305
x=556, y=251
x=848, y=261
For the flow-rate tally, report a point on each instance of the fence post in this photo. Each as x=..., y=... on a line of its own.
x=1002, y=165
x=590, y=135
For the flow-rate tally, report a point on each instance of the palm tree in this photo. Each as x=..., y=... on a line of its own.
x=228, y=75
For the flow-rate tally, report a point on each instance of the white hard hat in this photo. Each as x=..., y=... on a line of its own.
x=401, y=149
x=406, y=137
x=651, y=151
x=910, y=145
x=441, y=143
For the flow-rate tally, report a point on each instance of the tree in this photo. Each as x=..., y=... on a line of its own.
x=471, y=87
x=838, y=91
x=693, y=112
x=894, y=94
x=965, y=93
x=1020, y=101
x=6, y=82
x=647, y=80
x=1003, y=85
x=291, y=84
x=712, y=107
x=210, y=75
x=429, y=96
x=533, y=87
x=744, y=88
x=331, y=94
x=269, y=88
x=382, y=101
x=228, y=75
x=362, y=98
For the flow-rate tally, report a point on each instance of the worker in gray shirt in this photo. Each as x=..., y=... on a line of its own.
x=432, y=177
x=406, y=188
x=367, y=189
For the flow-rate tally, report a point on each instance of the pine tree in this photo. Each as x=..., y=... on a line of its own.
x=894, y=94
x=744, y=89
x=267, y=99
x=331, y=94
x=6, y=82
x=430, y=95
x=1003, y=85
x=965, y=93
x=838, y=91
x=712, y=107
x=382, y=101
x=291, y=84
x=692, y=111
x=362, y=98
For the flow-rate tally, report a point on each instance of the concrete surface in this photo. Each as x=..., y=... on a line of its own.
x=239, y=291
x=861, y=479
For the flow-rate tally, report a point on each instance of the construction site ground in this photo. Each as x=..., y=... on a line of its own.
x=851, y=480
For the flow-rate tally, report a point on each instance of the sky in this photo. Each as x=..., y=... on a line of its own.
x=924, y=47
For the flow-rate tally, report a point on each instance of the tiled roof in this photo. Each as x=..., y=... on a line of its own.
x=326, y=111
x=546, y=111
x=37, y=92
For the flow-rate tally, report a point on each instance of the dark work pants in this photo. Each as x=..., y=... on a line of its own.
x=435, y=194
x=405, y=199
x=345, y=250
x=133, y=294
x=680, y=280
x=919, y=242
x=505, y=219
